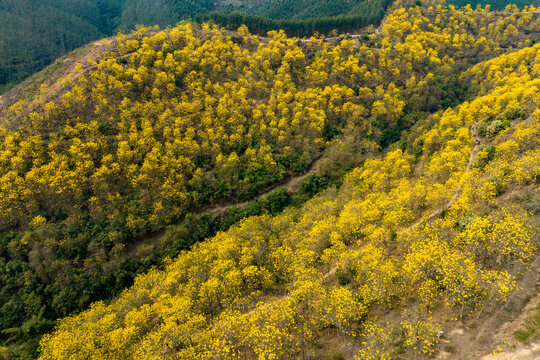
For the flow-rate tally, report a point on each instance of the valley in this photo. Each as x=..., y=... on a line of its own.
x=209, y=192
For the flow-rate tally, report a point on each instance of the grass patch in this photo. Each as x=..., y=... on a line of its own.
x=524, y=335
x=334, y=355
x=30, y=87
x=531, y=328
x=449, y=349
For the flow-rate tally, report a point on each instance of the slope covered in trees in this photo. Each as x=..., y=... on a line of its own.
x=168, y=124
x=265, y=288
x=181, y=120
x=495, y=4
x=305, y=9
x=34, y=33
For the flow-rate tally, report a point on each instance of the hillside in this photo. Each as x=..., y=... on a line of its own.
x=200, y=129
x=139, y=147
x=305, y=9
x=495, y=4
x=416, y=241
x=35, y=33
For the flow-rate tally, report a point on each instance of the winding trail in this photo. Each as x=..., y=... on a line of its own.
x=291, y=184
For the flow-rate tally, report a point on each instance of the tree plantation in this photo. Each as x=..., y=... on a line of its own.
x=200, y=192
x=34, y=33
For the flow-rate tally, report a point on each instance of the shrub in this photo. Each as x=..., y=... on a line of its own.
x=485, y=155
x=277, y=200
x=313, y=184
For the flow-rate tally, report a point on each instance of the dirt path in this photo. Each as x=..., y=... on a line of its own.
x=357, y=37
x=530, y=352
x=493, y=334
x=291, y=184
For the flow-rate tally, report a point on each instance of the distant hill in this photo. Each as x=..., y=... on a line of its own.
x=304, y=9
x=34, y=33
x=161, y=12
x=495, y=4
x=136, y=148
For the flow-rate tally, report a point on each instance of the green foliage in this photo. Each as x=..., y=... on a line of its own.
x=277, y=200
x=495, y=4
x=492, y=128
x=523, y=336
x=149, y=12
x=34, y=33
x=313, y=185
x=305, y=9
x=299, y=19
x=530, y=328
x=485, y=155
x=114, y=172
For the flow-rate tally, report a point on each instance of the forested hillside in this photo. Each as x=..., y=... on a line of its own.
x=495, y=4
x=135, y=157
x=34, y=33
x=415, y=240
x=166, y=125
x=162, y=12
x=304, y=9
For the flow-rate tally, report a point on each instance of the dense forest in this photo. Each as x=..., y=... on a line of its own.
x=34, y=33
x=419, y=233
x=162, y=12
x=495, y=4
x=309, y=9
x=130, y=163
x=301, y=28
